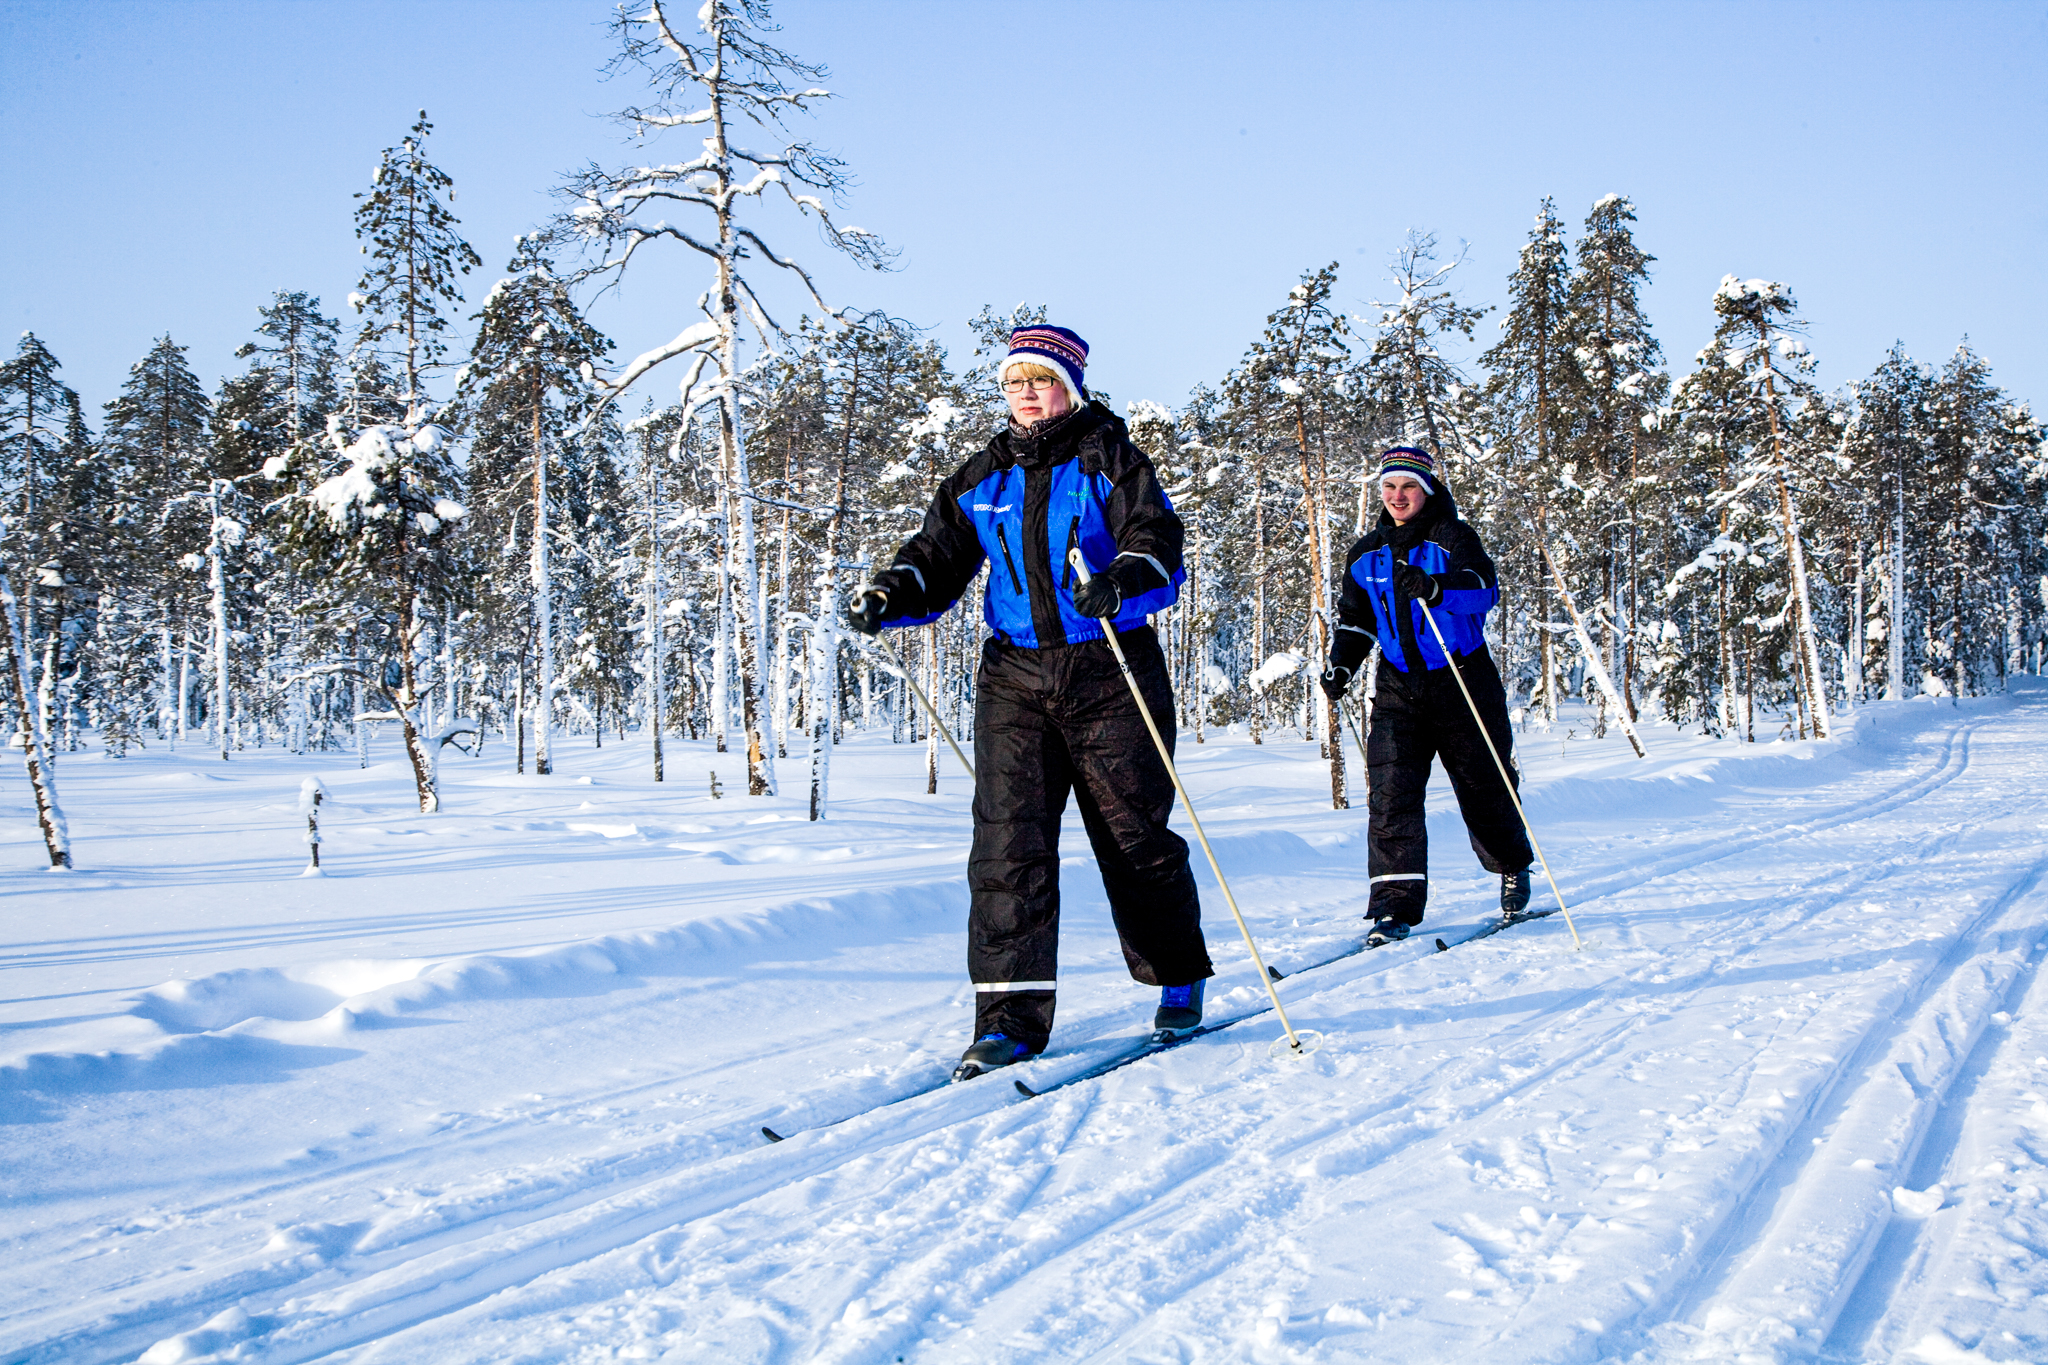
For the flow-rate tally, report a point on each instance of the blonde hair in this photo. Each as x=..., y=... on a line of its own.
x=1030, y=369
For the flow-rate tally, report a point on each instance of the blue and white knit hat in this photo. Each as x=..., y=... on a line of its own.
x=1418, y=465
x=1057, y=349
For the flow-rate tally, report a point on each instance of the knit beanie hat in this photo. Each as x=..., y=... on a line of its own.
x=1418, y=465
x=1057, y=349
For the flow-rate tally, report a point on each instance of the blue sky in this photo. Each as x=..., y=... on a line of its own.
x=1159, y=173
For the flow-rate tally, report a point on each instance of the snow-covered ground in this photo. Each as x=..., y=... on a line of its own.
x=492, y=1090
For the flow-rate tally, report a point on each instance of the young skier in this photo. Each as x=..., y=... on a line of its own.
x=1421, y=559
x=1052, y=713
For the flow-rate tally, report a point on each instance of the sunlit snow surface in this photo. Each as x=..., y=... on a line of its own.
x=491, y=1089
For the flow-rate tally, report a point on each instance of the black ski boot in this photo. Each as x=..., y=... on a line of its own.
x=990, y=1052
x=1385, y=931
x=1180, y=1010
x=1514, y=894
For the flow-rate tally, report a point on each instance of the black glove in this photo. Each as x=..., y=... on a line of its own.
x=865, y=614
x=1413, y=582
x=1098, y=597
x=1334, y=680
x=1102, y=596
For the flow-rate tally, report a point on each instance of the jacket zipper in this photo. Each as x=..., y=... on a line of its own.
x=1009, y=563
x=1073, y=539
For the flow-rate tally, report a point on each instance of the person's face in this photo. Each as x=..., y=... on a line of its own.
x=1403, y=497
x=1034, y=400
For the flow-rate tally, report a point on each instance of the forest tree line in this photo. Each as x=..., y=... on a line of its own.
x=462, y=518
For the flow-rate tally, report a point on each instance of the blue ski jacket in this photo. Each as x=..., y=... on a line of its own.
x=1369, y=608
x=1022, y=503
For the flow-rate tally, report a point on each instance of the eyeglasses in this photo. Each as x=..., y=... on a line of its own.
x=1031, y=385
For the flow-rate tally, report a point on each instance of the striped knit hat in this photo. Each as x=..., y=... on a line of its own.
x=1418, y=465
x=1057, y=349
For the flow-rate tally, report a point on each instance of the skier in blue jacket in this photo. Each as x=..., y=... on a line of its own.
x=1052, y=714
x=1421, y=563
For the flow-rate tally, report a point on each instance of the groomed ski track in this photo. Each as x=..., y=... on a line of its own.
x=1784, y=1108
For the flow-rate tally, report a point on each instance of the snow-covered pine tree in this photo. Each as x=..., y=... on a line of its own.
x=1290, y=390
x=1758, y=338
x=740, y=77
x=39, y=419
x=157, y=445
x=1889, y=448
x=296, y=367
x=34, y=410
x=281, y=402
x=521, y=398
x=1426, y=396
x=1617, y=384
x=1528, y=420
x=376, y=536
x=416, y=257
x=1985, y=524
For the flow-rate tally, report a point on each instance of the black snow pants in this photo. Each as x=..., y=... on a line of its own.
x=1417, y=717
x=1046, y=722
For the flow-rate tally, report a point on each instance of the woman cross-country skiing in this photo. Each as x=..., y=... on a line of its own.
x=1421, y=559
x=1052, y=714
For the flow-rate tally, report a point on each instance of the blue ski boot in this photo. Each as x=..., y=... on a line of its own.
x=1180, y=1010
x=989, y=1052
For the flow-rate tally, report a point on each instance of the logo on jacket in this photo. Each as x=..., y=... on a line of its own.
x=991, y=507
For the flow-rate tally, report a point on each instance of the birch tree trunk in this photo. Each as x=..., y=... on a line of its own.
x=35, y=739
x=543, y=600
x=657, y=689
x=1795, y=548
x=216, y=553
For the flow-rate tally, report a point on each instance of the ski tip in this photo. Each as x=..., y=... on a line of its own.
x=1442, y=946
x=1026, y=1091
x=1276, y=973
x=770, y=1133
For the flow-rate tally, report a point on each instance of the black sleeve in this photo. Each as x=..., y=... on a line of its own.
x=935, y=566
x=1145, y=528
x=1353, y=638
x=1471, y=568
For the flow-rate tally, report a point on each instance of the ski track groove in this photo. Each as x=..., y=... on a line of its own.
x=626, y=1226
x=1909, y=1243
x=1745, y=1229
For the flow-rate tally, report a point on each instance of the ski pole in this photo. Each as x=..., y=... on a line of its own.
x=904, y=667
x=1357, y=734
x=1577, y=942
x=1080, y=564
